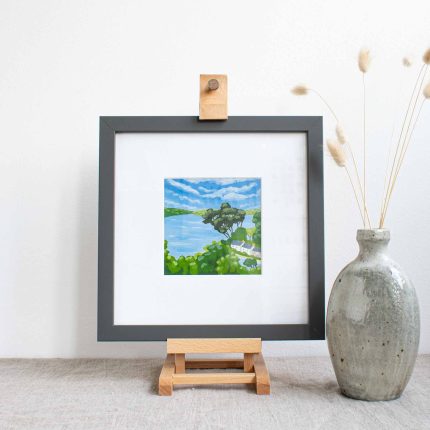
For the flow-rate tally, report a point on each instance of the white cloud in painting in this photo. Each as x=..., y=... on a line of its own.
x=170, y=203
x=183, y=187
x=235, y=196
x=225, y=192
x=218, y=181
x=222, y=181
x=183, y=198
x=195, y=181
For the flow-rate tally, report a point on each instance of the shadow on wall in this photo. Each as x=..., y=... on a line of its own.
x=86, y=344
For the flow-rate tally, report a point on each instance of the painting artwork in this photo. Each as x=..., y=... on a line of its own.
x=212, y=226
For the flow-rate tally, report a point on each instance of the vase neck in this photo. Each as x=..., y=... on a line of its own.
x=373, y=241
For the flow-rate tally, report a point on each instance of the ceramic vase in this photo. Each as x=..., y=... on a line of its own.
x=373, y=323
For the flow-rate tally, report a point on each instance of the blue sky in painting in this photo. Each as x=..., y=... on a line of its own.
x=204, y=193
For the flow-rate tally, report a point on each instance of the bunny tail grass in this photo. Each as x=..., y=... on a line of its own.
x=300, y=90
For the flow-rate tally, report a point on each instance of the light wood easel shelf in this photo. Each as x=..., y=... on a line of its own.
x=174, y=368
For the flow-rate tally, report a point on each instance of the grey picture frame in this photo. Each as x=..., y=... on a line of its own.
x=110, y=126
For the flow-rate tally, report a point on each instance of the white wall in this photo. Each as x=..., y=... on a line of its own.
x=65, y=63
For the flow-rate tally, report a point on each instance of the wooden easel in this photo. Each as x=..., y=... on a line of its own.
x=174, y=368
x=213, y=106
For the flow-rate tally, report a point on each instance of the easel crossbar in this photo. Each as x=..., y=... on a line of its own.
x=213, y=378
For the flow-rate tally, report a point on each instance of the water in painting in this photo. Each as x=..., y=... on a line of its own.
x=212, y=226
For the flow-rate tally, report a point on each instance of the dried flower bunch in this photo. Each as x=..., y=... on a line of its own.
x=341, y=150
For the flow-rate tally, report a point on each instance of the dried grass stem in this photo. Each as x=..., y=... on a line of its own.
x=355, y=195
x=325, y=102
x=403, y=141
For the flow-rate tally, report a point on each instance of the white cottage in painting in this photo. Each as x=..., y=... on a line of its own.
x=246, y=248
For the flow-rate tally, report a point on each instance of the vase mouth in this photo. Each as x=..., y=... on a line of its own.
x=373, y=234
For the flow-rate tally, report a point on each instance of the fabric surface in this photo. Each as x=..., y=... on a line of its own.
x=122, y=394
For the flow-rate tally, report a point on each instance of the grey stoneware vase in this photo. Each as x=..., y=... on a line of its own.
x=373, y=324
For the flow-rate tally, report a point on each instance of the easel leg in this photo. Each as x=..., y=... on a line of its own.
x=262, y=375
x=165, y=383
x=180, y=363
x=248, y=362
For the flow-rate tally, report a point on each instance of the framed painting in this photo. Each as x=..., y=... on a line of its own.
x=211, y=229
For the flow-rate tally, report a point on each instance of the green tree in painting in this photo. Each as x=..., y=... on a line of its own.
x=229, y=264
x=250, y=262
x=216, y=259
x=207, y=261
x=240, y=234
x=256, y=237
x=224, y=219
x=171, y=266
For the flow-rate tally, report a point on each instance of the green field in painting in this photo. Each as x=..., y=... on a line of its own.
x=175, y=211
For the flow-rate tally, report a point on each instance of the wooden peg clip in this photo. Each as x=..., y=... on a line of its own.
x=213, y=97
